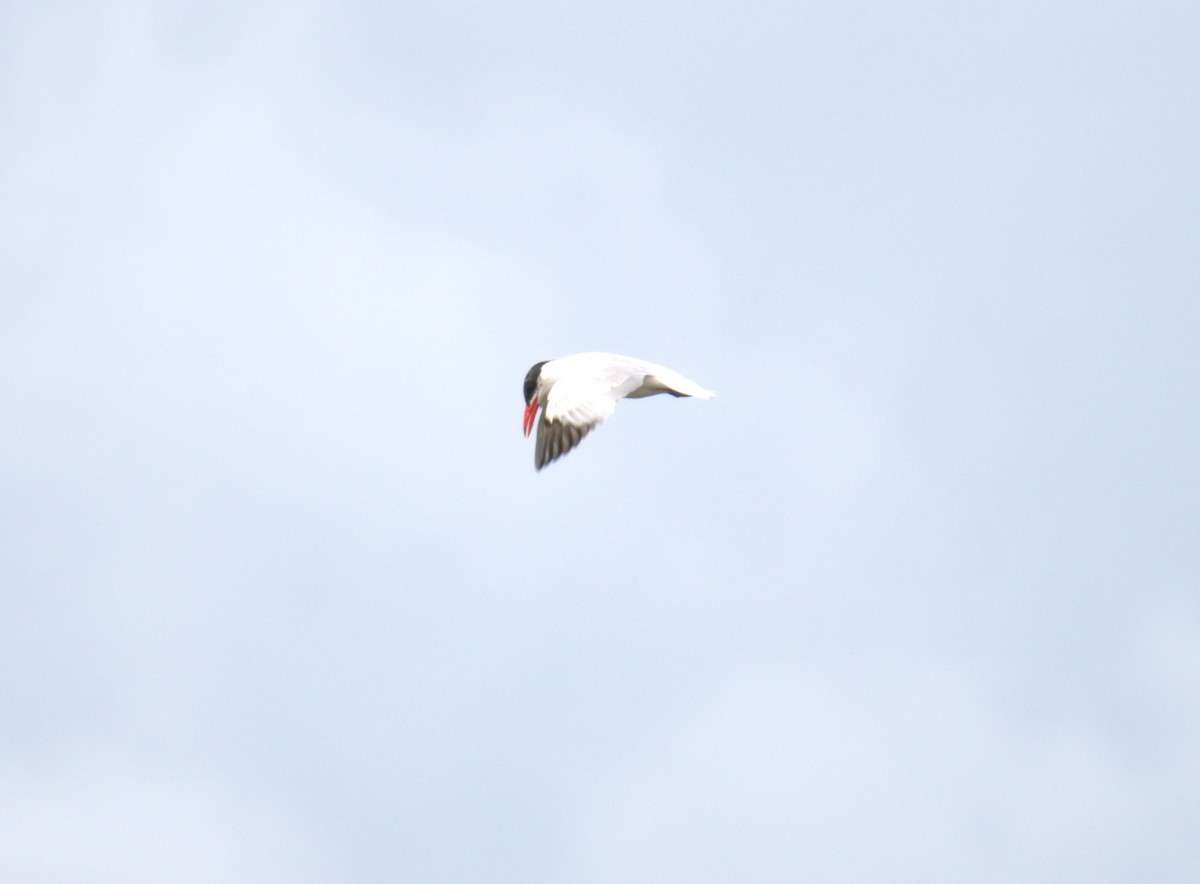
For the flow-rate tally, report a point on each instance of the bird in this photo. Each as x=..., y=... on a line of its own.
x=575, y=393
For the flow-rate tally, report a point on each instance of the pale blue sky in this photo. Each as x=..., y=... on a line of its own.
x=915, y=599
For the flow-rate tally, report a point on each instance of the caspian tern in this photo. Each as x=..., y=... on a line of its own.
x=576, y=392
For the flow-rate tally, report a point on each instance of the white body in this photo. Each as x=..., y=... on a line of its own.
x=578, y=392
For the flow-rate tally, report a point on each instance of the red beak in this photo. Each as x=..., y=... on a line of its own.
x=530, y=414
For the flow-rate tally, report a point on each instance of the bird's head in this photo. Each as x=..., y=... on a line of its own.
x=532, y=377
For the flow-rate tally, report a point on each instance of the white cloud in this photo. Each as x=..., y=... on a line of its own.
x=786, y=771
x=103, y=819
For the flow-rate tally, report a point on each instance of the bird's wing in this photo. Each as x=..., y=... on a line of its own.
x=556, y=438
x=576, y=404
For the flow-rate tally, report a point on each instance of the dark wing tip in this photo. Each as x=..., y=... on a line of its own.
x=555, y=438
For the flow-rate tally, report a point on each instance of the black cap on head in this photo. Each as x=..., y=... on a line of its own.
x=531, y=380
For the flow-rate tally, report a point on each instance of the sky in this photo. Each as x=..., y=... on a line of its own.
x=916, y=598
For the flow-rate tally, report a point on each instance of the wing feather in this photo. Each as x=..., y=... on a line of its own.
x=574, y=407
x=555, y=438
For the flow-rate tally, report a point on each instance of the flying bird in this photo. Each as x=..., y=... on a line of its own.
x=577, y=392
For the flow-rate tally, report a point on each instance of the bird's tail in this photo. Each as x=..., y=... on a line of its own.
x=677, y=385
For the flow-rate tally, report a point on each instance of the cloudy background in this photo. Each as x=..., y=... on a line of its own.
x=915, y=599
